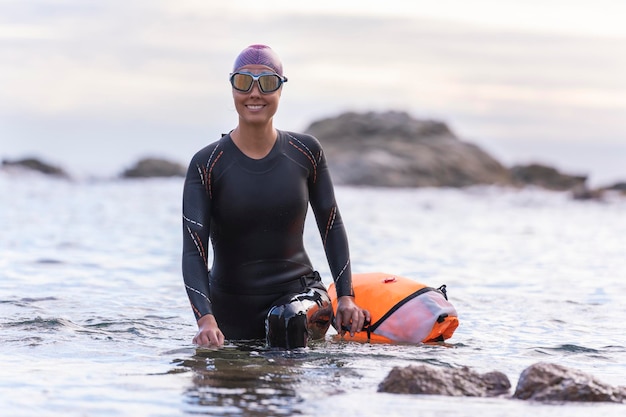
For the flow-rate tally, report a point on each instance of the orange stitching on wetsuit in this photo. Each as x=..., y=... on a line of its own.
x=201, y=247
x=305, y=147
x=197, y=241
x=193, y=307
x=309, y=158
x=301, y=143
x=329, y=224
x=211, y=172
x=308, y=154
x=196, y=311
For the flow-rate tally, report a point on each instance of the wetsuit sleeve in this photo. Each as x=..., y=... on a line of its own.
x=196, y=228
x=330, y=225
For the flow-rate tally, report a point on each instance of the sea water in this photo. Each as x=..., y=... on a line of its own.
x=94, y=319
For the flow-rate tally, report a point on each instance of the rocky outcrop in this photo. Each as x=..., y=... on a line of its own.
x=539, y=382
x=392, y=149
x=457, y=382
x=546, y=177
x=552, y=382
x=618, y=186
x=35, y=164
x=154, y=167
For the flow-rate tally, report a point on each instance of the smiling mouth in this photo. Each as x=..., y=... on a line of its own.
x=254, y=106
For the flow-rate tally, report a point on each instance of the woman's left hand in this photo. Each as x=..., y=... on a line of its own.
x=350, y=315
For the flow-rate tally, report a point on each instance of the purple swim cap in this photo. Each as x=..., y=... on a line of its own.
x=259, y=55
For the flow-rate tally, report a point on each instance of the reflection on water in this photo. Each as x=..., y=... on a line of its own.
x=247, y=378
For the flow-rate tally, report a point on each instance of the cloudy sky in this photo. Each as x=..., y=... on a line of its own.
x=93, y=85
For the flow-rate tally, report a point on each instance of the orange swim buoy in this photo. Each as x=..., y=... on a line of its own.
x=402, y=309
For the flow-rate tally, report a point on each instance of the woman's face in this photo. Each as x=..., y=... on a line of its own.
x=254, y=106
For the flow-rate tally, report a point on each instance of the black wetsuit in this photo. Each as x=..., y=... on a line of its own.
x=254, y=212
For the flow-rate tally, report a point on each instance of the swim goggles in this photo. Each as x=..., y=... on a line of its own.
x=268, y=81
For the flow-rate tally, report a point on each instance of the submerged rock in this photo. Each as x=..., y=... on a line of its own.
x=424, y=379
x=154, y=167
x=552, y=382
x=35, y=164
x=392, y=149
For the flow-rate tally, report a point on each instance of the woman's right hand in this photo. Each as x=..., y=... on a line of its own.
x=209, y=334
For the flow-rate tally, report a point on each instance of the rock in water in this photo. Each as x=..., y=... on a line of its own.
x=35, y=164
x=551, y=382
x=458, y=382
x=546, y=177
x=391, y=149
x=154, y=167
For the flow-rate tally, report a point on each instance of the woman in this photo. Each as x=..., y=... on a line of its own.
x=249, y=193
